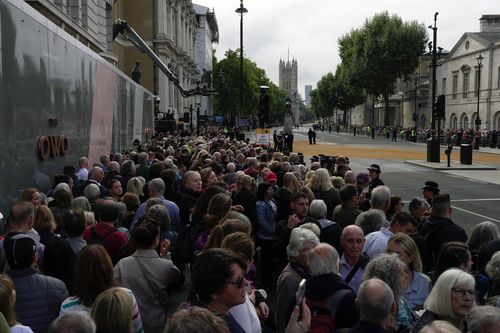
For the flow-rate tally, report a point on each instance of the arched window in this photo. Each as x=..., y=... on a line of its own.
x=496, y=121
x=453, y=121
x=465, y=122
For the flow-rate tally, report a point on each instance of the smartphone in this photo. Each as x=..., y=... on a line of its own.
x=301, y=292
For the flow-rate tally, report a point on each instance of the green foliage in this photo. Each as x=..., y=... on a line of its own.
x=384, y=49
x=226, y=80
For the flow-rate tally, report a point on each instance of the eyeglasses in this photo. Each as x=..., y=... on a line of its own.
x=238, y=283
x=462, y=292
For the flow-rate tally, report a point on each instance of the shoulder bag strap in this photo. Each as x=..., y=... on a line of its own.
x=145, y=276
x=353, y=271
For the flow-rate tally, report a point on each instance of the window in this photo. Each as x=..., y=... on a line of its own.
x=455, y=86
x=443, y=86
x=465, y=86
x=498, y=85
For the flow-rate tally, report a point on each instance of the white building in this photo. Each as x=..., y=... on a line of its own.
x=307, y=94
x=458, y=76
x=207, y=34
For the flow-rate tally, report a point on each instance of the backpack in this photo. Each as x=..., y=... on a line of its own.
x=323, y=312
x=96, y=239
x=183, y=250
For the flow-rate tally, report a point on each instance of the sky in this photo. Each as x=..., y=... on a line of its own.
x=310, y=29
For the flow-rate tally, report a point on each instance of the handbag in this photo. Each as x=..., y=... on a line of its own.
x=162, y=295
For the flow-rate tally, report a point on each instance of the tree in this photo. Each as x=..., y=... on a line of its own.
x=323, y=100
x=226, y=81
x=384, y=49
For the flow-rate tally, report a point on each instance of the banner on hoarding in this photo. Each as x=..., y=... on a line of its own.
x=263, y=136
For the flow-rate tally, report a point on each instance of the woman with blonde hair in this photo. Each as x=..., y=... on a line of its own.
x=7, y=302
x=111, y=311
x=44, y=224
x=218, y=207
x=208, y=178
x=419, y=285
x=136, y=185
x=323, y=189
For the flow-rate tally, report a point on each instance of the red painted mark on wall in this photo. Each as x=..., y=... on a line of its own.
x=52, y=146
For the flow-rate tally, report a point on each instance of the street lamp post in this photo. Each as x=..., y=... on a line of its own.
x=433, y=145
x=241, y=10
x=478, y=118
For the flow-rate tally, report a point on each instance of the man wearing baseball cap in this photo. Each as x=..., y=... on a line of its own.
x=39, y=297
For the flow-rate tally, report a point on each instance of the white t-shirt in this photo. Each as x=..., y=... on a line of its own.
x=18, y=328
x=246, y=316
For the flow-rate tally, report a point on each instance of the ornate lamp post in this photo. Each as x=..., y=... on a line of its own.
x=241, y=10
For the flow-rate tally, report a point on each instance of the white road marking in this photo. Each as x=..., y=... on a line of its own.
x=476, y=214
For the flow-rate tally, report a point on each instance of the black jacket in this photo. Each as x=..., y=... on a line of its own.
x=322, y=287
x=188, y=202
x=437, y=231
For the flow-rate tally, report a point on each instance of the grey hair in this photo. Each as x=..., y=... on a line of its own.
x=388, y=268
x=381, y=196
x=311, y=226
x=135, y=185
x=350, y=177
x=483, y=233
x=161, y=212
x=439, y=300
x=439, y=326
x=375, y=307
x=114, y=166
x=73, y=322
x=95, y=171
x=370, y=220
x=418, y=203
x=81, y=202
x=297, y=239
x=323, y=259
x=92, y=192
x=317, y=209
x=232, y=214
x=157, y=186
x=61, y=186
x=493, y=268
x=481, y=317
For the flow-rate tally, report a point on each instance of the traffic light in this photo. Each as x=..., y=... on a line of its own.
x=264, y=108
x=440, y=107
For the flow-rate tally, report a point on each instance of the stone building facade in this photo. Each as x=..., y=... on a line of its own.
x=459, y=73
x=169, y=28
x=207, y=34
x=89, y=21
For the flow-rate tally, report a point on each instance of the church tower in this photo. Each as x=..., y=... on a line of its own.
x=288, y=76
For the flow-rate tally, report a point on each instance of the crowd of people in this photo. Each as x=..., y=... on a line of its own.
x=264, y=243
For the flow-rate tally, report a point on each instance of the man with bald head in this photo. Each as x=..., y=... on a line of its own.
x=352, y=262
x=376, y=304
